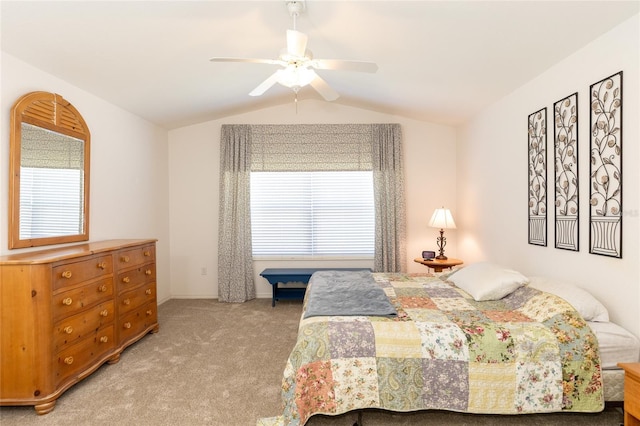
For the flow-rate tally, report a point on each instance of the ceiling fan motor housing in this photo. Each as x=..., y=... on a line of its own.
x=295, y=8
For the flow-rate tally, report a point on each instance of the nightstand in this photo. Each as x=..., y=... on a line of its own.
x=439, y=265
x=631, y=393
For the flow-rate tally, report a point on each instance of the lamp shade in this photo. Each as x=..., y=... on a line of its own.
x=442, y=219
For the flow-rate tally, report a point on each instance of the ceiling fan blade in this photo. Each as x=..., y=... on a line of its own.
x=250, y=60
x=337, y=64
x=266, y=85
x=324, y=89
x=296, y=43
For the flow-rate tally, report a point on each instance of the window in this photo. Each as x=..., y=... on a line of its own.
x=319, y=213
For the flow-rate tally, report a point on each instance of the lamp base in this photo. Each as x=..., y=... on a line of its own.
x=442, y=241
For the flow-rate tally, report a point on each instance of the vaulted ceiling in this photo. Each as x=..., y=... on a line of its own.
x=440, y=61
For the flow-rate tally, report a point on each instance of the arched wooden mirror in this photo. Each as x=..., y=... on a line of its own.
x=49, y=172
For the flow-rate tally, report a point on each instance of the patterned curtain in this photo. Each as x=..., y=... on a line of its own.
x=388, y=189
x=235, y=269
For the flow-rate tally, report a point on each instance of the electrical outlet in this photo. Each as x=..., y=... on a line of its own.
x=203, y=271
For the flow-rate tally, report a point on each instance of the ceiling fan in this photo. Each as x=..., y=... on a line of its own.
x=298, y=64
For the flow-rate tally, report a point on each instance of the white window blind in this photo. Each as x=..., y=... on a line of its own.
x=316, y=213
x=49, y=200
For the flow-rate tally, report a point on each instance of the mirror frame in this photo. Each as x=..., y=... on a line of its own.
x=52, y=112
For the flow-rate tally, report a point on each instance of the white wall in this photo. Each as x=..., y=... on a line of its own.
x=430, y=176
x=492, y=177
x=128, y=188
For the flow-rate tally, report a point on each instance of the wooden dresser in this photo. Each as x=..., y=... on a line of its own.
x=631, y=393
x=66, y=311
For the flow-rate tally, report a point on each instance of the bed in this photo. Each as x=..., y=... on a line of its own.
x=474, y=343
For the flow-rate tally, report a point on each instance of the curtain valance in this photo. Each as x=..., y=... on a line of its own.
x=311, y=147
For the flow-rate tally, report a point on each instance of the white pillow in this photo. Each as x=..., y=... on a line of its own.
x=587, y=305
x=487, y=281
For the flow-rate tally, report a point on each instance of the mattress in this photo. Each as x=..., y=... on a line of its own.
x=616, y=344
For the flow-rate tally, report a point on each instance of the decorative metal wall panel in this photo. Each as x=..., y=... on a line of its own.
x=605, y=202
x=538, y=177
x=566, y=172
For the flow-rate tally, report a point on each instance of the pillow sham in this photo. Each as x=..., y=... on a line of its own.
x=487, y=281
x=588, y=306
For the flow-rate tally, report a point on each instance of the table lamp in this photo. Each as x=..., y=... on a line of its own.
x=442, y=219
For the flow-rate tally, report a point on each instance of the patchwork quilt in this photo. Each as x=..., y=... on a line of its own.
x=529, y=352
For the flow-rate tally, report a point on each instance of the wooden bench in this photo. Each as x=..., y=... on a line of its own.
x=283, y=276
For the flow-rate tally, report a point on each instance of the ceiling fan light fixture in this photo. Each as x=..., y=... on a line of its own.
x=295, y=76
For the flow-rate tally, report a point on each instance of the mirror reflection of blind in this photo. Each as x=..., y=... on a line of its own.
x=42, y=148
x=51, y=202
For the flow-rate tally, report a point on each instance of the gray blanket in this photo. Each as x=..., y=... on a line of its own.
x=335, y=293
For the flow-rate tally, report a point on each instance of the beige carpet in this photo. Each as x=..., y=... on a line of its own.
x=221, y=364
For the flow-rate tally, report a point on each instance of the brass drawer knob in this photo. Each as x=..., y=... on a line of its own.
x=147, y=253
x=126, y=302
x=126, y=325
x=104, y=339
x=67, y=301
x=126, y=279
x=148, y=291
x=102, y=265
x=125, y=259
x=102, y=288
x=68, y=360
x=147, y=272
x=68, y=329
x=104, y=313
x=149, y=312
x=67, y=274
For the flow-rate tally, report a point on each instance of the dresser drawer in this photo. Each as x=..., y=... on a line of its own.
x=73, y=301
x=135, y=257
x=69, y=274
x=135, y=298
x=77, y=327
x=134, y=323
x=134, y=277
x=76, y=358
